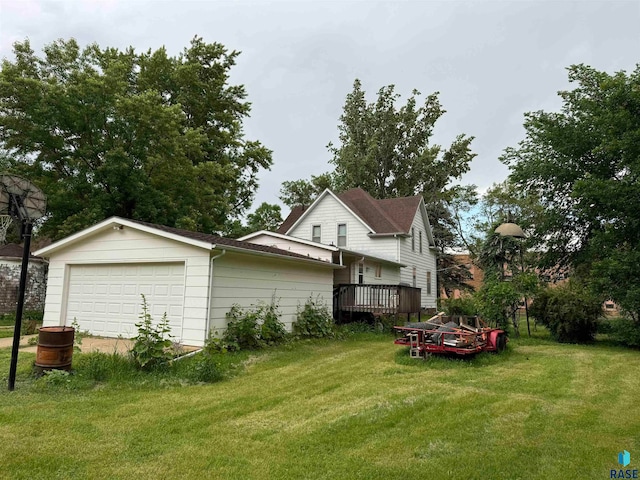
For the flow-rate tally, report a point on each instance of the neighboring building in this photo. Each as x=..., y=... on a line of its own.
x=380, y=242
x=10, y=268
x=97, y=277
x=475, y=282
x=550, y=277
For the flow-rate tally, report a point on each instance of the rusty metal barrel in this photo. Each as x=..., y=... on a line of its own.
x=55, y=348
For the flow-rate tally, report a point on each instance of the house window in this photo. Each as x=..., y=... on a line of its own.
x=415, y=273
x=420, y=237
x=428, y=283
x=413, y=240
x=361, y=273
x=315, y=234
x=378, y=270
x=342, y=234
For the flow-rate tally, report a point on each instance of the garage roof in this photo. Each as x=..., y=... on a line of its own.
x=198, y=239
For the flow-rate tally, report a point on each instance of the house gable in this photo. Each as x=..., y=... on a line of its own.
x=336, y=204
x=327, y=212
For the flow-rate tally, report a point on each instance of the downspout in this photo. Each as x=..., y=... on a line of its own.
x=211, y=287
x=395, y=235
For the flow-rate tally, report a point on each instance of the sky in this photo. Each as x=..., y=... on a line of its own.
x=491, y=61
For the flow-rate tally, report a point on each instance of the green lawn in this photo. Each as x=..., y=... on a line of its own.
x=6, y=332
x=338, y=410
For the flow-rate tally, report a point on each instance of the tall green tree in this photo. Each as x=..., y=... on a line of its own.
x=583, y=162
x=387, y=150
x=146, y=136
x=266, y=217
x=304, y=192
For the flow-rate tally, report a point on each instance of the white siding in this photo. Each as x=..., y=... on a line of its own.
x=423, y=262
x=130, y=246
x=248, y=279
x=293, y=246
x=390, y=275
x=328, y=213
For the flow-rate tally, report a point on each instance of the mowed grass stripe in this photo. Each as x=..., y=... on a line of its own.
x=347, y=409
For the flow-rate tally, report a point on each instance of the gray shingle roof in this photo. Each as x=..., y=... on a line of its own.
x=223, y=241
x=13, y=250
x=391, y=215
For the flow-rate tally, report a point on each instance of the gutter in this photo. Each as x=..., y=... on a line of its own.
x=208, y=317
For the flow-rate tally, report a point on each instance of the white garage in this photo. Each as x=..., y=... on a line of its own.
x=97, y=276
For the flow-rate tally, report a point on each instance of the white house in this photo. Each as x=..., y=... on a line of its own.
x=97, y=276
x=381, y=242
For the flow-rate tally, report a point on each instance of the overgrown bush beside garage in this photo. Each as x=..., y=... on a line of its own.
x=254, y=327
x=314, y=320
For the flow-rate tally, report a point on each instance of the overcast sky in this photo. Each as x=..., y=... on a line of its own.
x=491, y=61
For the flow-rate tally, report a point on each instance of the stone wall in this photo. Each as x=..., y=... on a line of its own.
x=10, y=282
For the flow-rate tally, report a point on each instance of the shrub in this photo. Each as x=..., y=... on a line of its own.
x=151, y=348
x=242, y=329
x=460, y=306
x=34, y=315
x=252, y=328
x=495, y=300
x=569, y=311
x=313, y=320
x=272, y=330
x=625, y=331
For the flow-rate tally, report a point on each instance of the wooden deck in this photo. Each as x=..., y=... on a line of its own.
x=375, y=299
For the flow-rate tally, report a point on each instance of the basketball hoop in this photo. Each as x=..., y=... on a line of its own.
x=23, y=202
x=5, y=223
x=21, y=199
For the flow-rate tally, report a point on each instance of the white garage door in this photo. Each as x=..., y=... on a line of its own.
x=106, y=299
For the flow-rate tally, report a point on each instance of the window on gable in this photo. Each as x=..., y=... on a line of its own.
x=413, y=239
x=420, y=237
x=316, y=233
x=342, y=234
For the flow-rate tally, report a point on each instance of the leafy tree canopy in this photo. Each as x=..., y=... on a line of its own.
x=141, y=135
x=303, y=192
x=583, y=163
x=266, y=217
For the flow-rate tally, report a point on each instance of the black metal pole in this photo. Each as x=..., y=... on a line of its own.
x=23, y=283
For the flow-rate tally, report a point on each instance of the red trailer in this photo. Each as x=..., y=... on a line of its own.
x=450, y=335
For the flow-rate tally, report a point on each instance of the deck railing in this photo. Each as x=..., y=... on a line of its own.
x=376, y=299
